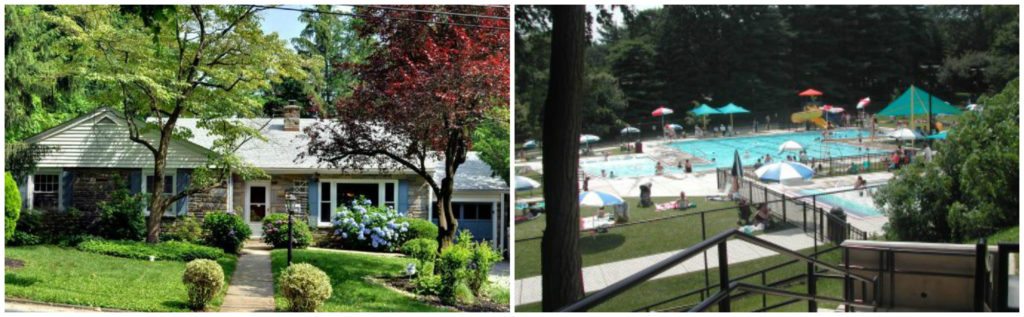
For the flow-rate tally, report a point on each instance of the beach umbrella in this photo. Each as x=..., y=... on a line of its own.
x=731, y=109
x=627, y=130
x=662, y=112
x=834, y=109
x=703, y=111
x=810, y=93
x=790, y=146
x=589, y=138
x=599, y=199
x=863, y=103
x=526, y=183
x=675, y=126
x=783, y=171
x=915, y=101
x=530, y=144
x=972, y=106
x=737, y=165
x=905, y=134
x=938, y=136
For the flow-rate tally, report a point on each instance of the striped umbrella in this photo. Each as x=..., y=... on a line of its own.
x=599, y=199
x=784, y=171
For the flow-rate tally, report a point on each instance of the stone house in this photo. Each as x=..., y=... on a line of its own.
x=93, y=156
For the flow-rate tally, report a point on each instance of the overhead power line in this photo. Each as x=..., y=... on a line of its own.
x=382, y=17
x=434, y=12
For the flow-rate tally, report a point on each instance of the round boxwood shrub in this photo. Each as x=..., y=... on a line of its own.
x=186, y=229
x=421, y=229
x=203, y=279
x=275, y=231
x=226, y=231
x=423, y=250
x=12, y=203
x=305, y=286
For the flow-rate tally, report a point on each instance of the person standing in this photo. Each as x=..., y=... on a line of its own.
x=767, y=122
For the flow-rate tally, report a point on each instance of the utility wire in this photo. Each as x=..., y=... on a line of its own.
x=369, y=16
x=433, y=12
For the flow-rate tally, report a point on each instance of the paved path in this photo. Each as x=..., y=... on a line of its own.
x=597, y=277
x=12, y=305
x=252, y=286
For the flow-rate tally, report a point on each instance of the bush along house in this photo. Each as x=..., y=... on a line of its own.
x=92, y=154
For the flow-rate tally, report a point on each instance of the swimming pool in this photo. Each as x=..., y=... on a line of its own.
x=851, y=202
x=720, y=150
x=632, y=166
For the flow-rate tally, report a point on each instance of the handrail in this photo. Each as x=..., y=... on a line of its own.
x=702, y=306
x=631, y=281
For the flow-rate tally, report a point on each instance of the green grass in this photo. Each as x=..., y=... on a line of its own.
x=351, y=291
x=68, y=276
x=1011, y=234
x=630, y=241
x=659, y=290
x=497, y=293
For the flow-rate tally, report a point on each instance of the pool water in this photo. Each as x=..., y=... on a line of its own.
x=626, y=167
x=851, y=202
x=753, y=147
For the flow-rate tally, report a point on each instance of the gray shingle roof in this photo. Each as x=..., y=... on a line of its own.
x=474, y=175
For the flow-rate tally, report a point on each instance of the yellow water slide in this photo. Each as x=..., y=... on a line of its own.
x=812, y=115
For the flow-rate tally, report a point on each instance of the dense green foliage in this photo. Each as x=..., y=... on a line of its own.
x=275, y=231
x=483, y=259
x=120, y=216
x=164, y=251
x=186, y=229
x=422, y=249
x=760, y=57
x=203, y=279
x=12, y=206
x=452, y=267
x=420, y=228
x=305, y=286
x=968, y=190
x=491, y=139
x=226, y=231
x=67, y=276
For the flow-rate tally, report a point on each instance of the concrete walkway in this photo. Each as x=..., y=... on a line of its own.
x=597, y=277
x=252, y=286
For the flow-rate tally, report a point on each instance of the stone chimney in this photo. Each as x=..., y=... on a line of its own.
x=291, y=116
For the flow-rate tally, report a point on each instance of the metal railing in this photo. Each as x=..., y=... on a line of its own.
x=723, y=297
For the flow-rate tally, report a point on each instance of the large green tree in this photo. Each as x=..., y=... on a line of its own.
x=159, y=64
x=491, y=139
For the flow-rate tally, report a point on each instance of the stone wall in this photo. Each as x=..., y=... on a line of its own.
x=213, y=200
x=94, y=185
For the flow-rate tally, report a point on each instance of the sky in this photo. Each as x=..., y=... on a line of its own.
x=286, y=23
x=616, y=15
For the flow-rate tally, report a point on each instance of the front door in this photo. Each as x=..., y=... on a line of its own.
x=257, y=204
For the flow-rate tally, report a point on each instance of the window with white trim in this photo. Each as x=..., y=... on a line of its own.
x=148, y=184
x=46, y=191
x=337, y=193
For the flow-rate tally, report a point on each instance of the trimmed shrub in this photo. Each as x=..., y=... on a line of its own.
x=203, y=279
x=164, y=251
x=420, y=229
x=24, y=238
x=12, y=205
x=427, y=283
x=185, y=229
x=423, y=250
x=73, y=240
x=275, y=231
x=305, y=286
x=226, y=231
x=364, y=226
x=453, y=262
x=480, y=266
x=120, y=217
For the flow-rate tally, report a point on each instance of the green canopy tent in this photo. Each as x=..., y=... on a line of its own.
x=731, y=109
x=703, y=111
x=916, y=101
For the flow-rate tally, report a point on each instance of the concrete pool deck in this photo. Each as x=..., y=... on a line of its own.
x=871, y=225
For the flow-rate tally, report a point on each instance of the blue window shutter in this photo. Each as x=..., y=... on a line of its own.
x=67, y=187
x=135, y=181
x=403, y=197
x=313, y=195
x=23, y=188
x=183, y=181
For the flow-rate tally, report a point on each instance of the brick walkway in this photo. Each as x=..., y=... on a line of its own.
x=252, y=286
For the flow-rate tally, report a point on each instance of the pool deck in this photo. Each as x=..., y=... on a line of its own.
x=871, y=225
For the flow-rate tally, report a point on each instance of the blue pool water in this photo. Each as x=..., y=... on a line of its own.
x=851, y=202
x=626, y=167
x=753, y=147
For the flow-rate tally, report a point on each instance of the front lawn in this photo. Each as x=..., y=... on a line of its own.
x=659, y=290
x=68, y=276
x=631, y=241
x=351, y=291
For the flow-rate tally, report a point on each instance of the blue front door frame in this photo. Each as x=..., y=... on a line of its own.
x=475, y=216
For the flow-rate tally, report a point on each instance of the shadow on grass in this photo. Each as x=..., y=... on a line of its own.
x=601, y=242
x=177, y=304
x=14, y=279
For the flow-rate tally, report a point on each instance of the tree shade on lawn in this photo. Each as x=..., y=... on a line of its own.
x=67, y=276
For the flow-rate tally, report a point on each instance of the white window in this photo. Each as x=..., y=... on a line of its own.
x=148, y=184
x=336, y=193
x=45, y=191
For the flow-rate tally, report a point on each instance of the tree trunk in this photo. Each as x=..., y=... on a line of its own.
x=447, y=223
x=560, y=257
x=157, y=203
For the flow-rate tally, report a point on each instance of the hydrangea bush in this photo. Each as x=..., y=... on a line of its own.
x=369, y=227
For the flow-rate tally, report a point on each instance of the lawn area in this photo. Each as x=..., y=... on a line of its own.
x=662, y=289
x=351, y=291
x=68, y=276
x=630, y=241
x=1011, y=234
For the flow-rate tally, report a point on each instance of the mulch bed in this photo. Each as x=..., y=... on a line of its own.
x=13, y=264
x=406, y=285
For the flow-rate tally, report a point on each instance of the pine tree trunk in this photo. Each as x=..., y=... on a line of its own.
x=560, y=257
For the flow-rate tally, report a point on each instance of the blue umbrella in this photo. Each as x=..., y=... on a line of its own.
x=784, y=171
x=599, y=199
x=530, y=144
x=938, y=136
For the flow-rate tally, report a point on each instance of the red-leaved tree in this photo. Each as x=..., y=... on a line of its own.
x=421, y=94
